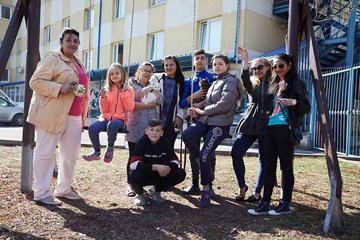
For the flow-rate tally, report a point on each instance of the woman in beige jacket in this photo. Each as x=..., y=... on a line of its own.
x=58, y=110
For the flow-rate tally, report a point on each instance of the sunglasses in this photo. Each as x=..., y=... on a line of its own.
x=279, y=66
x=259, y=68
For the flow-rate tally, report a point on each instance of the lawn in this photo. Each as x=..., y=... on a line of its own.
x=107, y=213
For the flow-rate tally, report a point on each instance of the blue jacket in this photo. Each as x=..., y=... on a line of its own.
x=196, y=86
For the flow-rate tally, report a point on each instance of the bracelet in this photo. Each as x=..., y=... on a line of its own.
x=293, y=102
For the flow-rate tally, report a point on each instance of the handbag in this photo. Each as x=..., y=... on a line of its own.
x=295, y=134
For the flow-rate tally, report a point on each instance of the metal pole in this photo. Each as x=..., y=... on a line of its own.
x=10, y=36
x=32, y=58
x=334, y=217
x=293, y=29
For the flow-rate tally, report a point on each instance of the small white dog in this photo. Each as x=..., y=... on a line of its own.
x=150, y=93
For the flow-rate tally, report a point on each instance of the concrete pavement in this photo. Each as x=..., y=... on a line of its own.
x=10, y=135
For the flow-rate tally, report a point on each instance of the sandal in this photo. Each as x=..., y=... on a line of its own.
x=241, y=198
x=253, y=199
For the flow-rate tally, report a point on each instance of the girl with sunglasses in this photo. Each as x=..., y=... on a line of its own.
x=289, y=106
x=253, y=125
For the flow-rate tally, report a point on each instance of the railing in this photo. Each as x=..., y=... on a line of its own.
x=15, y=90
x=342, y=90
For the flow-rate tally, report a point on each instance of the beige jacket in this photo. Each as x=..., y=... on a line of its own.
x=49, y=108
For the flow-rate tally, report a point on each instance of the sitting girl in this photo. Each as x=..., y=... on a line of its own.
x=116, y=98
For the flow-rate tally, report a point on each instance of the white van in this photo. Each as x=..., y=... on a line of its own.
x=10, y=112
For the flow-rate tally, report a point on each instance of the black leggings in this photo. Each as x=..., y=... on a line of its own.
x=138, y=180
x=277, y=144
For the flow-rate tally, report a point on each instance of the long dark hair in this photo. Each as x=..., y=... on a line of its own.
x=290, y=76
x=179, y=76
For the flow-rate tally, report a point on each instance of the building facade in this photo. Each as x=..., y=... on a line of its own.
x=160, y=27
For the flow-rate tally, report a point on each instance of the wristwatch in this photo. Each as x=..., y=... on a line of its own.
x=293, y=102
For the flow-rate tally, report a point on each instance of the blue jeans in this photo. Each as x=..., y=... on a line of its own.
x=213, y=137
x=101, y=124
x=242, y=143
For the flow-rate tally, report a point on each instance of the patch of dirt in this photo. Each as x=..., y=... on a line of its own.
x=107, y=213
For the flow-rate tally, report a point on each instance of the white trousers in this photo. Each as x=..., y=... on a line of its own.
x=44, y=157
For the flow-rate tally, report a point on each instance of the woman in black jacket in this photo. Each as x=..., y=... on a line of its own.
x=253, y=125
x=289, y=106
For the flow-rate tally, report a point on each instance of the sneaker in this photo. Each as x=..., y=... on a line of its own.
x=262, y=209
x=69, y=195
x=241, y=197
x=109, y=154
x=156, y=196
x=191, y=190
x=140, y=200
x=91, y=157
x=205, y=199
x=282, y=208
x=130, y=191
x=252, y=199
x=212, y=193
x=50, y=200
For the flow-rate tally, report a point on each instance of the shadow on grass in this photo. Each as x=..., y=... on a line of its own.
x=10, y=234
x=224, y=219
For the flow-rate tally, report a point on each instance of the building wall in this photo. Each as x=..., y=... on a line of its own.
x=259, y=31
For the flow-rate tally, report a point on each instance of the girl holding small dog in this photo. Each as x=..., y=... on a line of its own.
x=116, y=99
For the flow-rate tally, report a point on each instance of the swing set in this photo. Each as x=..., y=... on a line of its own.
x=299, y=22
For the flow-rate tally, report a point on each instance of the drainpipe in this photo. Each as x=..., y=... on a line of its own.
x=237, y=29
x=99, y=32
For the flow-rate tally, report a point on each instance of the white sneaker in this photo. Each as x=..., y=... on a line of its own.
x=69, y=195
x=140, y=200
x=156, y=196
x=50, y=200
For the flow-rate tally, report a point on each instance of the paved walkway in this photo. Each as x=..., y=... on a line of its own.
x=13, y=136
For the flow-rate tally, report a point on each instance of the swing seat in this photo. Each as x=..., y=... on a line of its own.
x=89, y=121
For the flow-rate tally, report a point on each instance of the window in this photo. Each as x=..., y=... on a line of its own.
x=19, y=73
x=66, y=23
x=119, y=9
x=210, y=35
x=89, y=18
x=156, y=2
x=5, y=11
x=87, y=59
x=156, y=46
x=5, y=76
x=18, y=45
x=47, y=35
x=118, y=53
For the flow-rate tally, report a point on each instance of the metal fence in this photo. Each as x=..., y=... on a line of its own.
x=342, y=92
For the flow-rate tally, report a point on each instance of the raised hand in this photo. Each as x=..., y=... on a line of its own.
x=102, y=92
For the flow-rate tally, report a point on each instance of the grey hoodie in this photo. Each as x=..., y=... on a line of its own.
x=220, y=101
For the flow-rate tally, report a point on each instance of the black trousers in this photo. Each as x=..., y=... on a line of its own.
x=140, y=179
x=277, y=144
x=131, y=149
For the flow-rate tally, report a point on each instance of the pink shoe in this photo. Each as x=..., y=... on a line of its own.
x=91, y=157
x=109, y=154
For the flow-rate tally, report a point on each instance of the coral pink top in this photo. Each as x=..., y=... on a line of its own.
x=78, y=103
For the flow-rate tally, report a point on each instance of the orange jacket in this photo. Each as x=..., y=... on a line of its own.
x=115, y=103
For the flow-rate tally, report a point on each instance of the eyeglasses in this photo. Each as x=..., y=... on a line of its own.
x=279, y=66
x=259, y=68
x=147, y=71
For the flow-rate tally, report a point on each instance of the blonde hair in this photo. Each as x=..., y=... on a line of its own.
x=109, y=83
x=255, y=80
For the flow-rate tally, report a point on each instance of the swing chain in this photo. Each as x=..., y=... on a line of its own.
x=130, y=37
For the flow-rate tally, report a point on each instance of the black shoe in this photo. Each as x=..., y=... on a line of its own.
x=253, y=199
x=191, y=190
x=239, y=197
